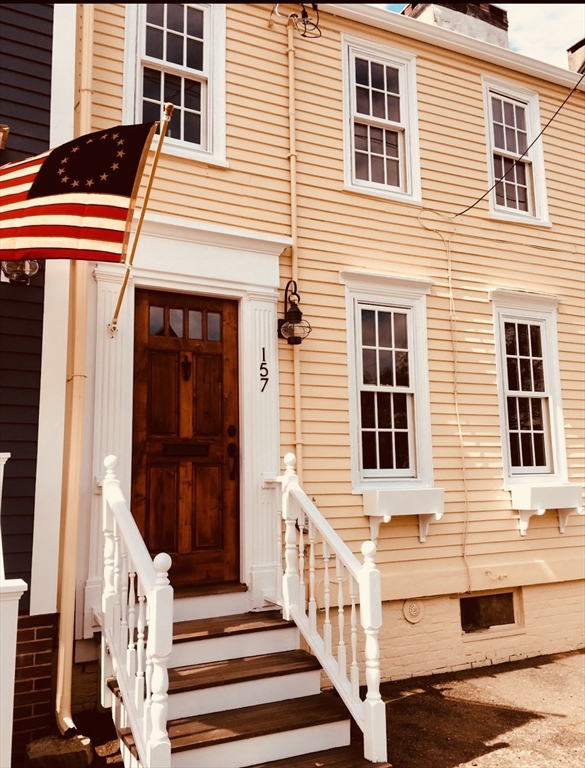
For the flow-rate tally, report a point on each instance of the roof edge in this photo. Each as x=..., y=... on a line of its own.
x=453, y=41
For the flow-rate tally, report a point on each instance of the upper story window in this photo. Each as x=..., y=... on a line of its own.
x=512, y=124
x=529, y=386
x=388, y=378
x=382, y=155
x=181, y=59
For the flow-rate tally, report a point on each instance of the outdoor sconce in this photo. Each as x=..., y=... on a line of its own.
x=293, y=328
x=20, y=271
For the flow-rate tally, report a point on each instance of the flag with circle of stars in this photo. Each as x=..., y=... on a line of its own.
x=75, y=201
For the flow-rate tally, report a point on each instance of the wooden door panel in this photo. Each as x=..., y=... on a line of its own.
x=185, y=485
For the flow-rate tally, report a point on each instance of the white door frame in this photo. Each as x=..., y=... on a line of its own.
x=192, y=257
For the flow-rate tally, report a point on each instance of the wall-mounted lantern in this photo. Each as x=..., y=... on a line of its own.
x=20, y=271
x=293, y=328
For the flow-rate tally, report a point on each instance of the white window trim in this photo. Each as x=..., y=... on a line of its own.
x=540, y=214
x=406, y=62
x=216, y=108
x=532, y=307
x=409, y=293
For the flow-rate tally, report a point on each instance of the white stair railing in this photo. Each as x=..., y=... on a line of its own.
x=137, y=629
x=335, y=641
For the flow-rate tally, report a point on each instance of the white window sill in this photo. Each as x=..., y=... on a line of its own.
x=519, y=218
x=181, y=149
x=382, y=505
x=399, y=197
x=531, y=499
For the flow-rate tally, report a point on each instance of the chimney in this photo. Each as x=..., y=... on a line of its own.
x=483, y=21
x=576, y=55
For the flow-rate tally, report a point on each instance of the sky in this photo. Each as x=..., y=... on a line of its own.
x=542, y=31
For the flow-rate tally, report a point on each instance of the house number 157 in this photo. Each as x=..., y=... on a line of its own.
x=263, y=370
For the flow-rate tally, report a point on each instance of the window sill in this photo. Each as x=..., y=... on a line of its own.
x=399, y=197
x=506, y=630
x=173, y=147
x=518, y=218
x=382, y=505
x=530, y=499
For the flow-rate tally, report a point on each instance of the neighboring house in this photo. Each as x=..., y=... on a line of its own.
x=437, y=405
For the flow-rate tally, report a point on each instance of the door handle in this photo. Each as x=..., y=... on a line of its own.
x=232, y=452
x=186, y=368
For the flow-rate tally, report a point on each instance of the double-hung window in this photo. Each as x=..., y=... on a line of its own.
x=389, y=391
x=516, y=164
x=181, y=59
x=381, y=125
x=529, y=386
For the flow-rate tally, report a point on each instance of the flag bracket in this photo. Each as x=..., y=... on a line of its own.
x=113, y=325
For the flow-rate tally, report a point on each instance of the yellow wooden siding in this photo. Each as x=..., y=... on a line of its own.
x=340, y=229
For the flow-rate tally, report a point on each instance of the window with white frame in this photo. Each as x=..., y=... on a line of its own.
x=381, y=125
x=181, y=60
x=389, y=395
x=512, y=125
x=529, y=386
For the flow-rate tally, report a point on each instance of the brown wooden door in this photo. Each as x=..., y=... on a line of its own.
x=185, y=483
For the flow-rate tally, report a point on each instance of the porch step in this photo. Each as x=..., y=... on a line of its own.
x=231, y=637
x=209, y=601
x=204, y=688
x=264, y=732
x=342, y=757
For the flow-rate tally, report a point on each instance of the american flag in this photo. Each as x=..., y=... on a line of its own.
x=75, y=201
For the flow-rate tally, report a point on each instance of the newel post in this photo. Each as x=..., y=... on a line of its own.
x=158, y=649
x=375, y=747
x=290, y=579
x=109, y=592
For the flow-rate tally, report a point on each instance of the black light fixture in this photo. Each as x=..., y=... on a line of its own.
x=293, y=328
x=20, y=271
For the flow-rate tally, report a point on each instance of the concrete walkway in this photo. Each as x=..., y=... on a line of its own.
x=525, y=714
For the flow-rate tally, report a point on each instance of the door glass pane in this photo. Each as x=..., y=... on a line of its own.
x=176, y=323
x=156, y=321
x=213, y=326
x=195, y=324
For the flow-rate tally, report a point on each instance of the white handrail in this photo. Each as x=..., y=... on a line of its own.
x=137, y=628
x=299, y=605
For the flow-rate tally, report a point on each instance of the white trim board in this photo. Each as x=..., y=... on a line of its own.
x=181, y=255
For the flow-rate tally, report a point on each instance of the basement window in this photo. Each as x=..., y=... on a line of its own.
x=484, y=612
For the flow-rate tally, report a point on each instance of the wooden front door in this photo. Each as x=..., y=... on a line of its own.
x=185, y=472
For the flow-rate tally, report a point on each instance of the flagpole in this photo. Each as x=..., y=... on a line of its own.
x=113, y=326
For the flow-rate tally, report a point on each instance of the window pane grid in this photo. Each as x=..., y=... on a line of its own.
x=510, y=139
x=378, y=137
x=385, y=397
x=527, y=410
x=174, y=36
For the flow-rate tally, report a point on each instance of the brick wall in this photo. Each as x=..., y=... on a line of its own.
x=84, y=686
x=551, y=621
x=36, y=646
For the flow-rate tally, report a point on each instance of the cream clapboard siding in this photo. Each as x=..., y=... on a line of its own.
x=345, y=230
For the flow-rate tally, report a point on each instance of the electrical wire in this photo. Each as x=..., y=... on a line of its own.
x=303, y=24
x=515, y=163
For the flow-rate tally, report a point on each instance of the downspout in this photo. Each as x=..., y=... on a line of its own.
x=292, y=156
x=75, y=403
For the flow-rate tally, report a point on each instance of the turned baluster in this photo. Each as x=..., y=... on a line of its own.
x=327, y=595
x=108, y=594
x=124, y=597
x=139, y=685
x=290, y=579
x=302, y=588
x=341, y=649
x=355, y=670
x=117, y=588
x=131, y=652
x=312, y=599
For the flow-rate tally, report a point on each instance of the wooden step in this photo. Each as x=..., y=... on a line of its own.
x=264, y=731
x=221, y=685
x=210, y=601
x=342, y=757
x=204, y=641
